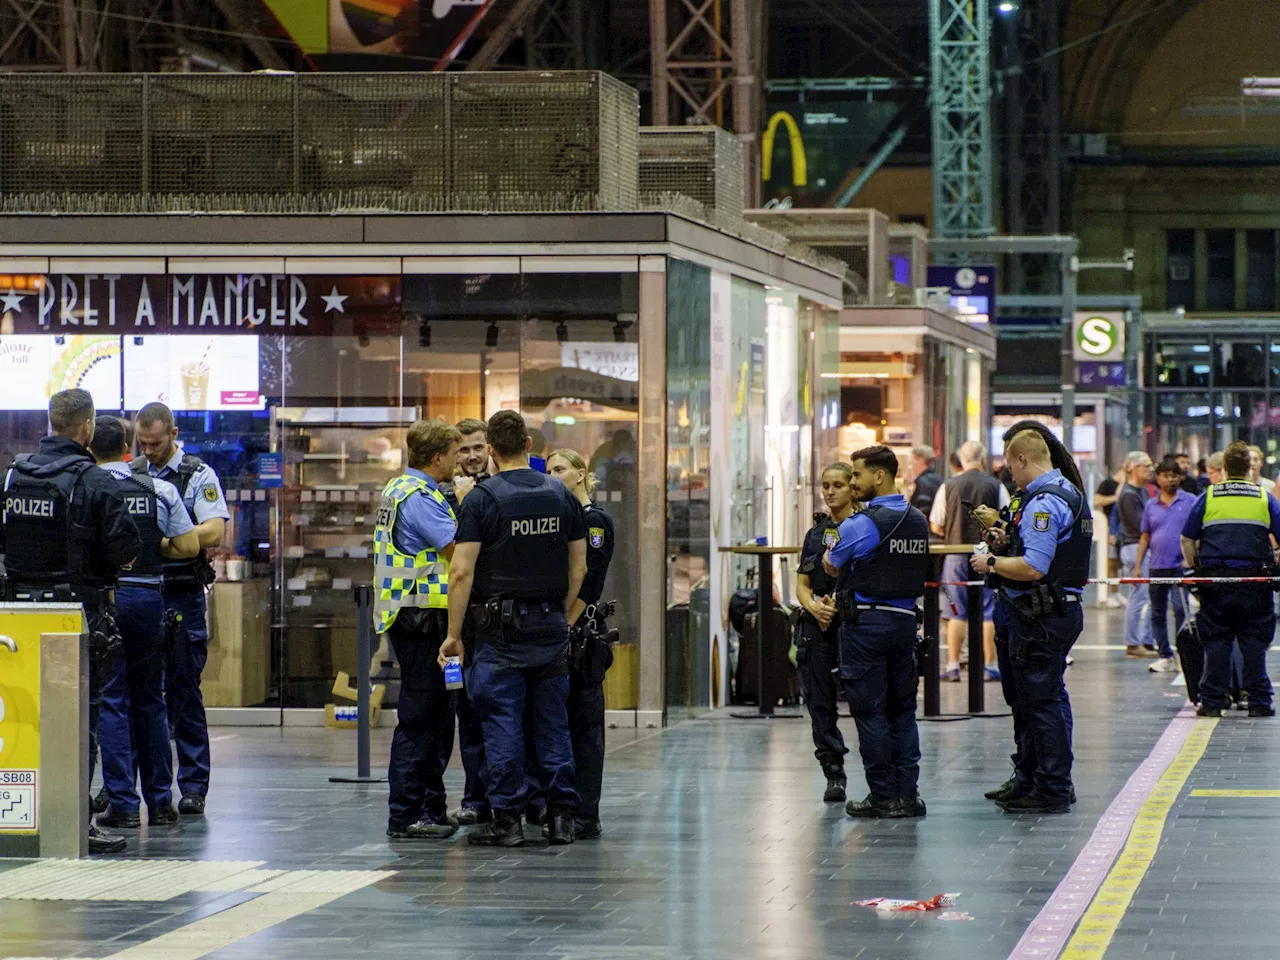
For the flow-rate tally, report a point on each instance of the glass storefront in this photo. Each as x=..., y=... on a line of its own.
x=298, y=390
x=1206, y=389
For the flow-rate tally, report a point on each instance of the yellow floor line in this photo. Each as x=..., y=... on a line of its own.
x=1102, y=919
x=1235, y=793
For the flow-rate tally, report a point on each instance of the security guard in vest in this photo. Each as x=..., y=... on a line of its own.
x=412, y=546
x=1228, y=535
x=472, y=469
x=591, y=650
x=1040, y=574
x=520, y=561
x=818, y=630
x=184, y=595
x=66, y=534
x=134, y=729
x=881, y=561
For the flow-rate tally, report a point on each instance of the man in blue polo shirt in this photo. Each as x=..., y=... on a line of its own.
x=1163, y=518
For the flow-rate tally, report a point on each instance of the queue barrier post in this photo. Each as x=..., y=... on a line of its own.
x=44, y=730
x=364, y=653
x=977, y=648
x=929, y=666
x=766, y=693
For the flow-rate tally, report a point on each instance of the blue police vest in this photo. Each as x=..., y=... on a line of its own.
x=529, y=559
x=139, y=492
x=899, y=567
x=1071, y=559
x=1237, y=525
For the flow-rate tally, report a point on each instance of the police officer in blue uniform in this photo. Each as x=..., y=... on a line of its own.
x=184, y=595
x=413, y=543
x=1228, y=535
x=66, y=534
x=881, y=561
x=472, y=468
x=818, y=630
x=591, y=652
x=518, y=564
x=1040, y=572
x=134, y=728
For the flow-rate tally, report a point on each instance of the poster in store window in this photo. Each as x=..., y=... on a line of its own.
x=192, y=373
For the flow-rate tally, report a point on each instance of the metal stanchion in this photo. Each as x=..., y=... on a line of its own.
x=932, y=616
x=977, y=649
x=364, y=653
x=764, y=615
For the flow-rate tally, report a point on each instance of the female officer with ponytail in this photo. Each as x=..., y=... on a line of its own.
x=586, y=615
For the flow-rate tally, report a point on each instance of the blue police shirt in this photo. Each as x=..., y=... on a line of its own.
x=860, y=537
x=1195, y=527
x=422, y=522
x=1045, y=523
x=171, y=515
x=204, y=498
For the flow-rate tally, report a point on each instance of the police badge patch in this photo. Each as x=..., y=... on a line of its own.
x=830, y=538
x=1040, y=522
x=596, y=535
x=211, y=494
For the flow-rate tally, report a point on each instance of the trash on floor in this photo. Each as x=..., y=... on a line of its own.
x=887, y=905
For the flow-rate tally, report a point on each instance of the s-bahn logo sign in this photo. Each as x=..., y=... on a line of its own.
x=1098, y=336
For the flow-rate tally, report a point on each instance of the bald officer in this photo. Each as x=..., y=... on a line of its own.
x=184, y=586
x=1040, y=577
x=1228, y=534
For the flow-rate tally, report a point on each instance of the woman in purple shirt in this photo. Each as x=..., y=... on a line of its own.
x=1162, y=520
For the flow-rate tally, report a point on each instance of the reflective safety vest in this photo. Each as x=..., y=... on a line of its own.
x=401, y=580
x=1237, y=525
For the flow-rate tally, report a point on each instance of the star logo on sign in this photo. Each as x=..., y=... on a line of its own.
x=334, y=301
x=12, y=302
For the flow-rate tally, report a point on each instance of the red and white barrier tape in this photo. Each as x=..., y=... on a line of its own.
x=1134, y=581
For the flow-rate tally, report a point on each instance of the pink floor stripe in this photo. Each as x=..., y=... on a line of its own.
x=1049, y=931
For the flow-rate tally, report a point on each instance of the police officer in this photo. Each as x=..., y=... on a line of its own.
x=472, y=468
x=1040, y=575
x=413, y=543
x=882, y=560
x=65, y=536
x=184, y=595
x=520, y=561
x=592, y=654
x=1227, y=535
x=134, y=728
x=818, y=631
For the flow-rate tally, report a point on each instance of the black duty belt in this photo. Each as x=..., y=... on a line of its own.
x=905, y=611
x=60, y=593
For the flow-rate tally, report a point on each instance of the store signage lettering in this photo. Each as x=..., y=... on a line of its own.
x=199, y=303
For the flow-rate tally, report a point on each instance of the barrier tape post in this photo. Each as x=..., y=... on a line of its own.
x=932, y=615
x=977, y=649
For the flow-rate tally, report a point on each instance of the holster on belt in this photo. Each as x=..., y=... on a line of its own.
x=847, y=606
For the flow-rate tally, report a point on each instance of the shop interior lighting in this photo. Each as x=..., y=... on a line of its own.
x=562, y=332
x=1260, y=87
x=1007, y=7
x=491, y=335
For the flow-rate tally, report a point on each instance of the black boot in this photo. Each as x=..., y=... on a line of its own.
x=836, y=782
x=470, y=816
x=1261, y=710
x=914, y=806
x=1013, y=787
x=111, y=817
x=504, y=830
x=100, y=843
x=875, y=808
x=1034, y=802
x=559, y=828
x=98, y=804
x=585, y=828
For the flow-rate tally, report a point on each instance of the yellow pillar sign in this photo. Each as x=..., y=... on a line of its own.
x=799, y=163
x=20, y=659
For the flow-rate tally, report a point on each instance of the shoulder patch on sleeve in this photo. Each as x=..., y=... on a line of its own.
x=596, y=535
x=830, y=538
x=1040, y=521
x=211, y=494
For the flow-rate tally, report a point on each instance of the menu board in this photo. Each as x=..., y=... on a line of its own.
x=34, y=368
x=192, y=373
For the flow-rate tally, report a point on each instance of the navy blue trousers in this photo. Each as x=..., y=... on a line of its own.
x=471, y=744
x=1242, y=613
x=133, y=724
x=1036, y=691
x=415, y=772
x=184, y=665
x=878, y=669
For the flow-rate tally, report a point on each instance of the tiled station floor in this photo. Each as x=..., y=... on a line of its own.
x=717, y=845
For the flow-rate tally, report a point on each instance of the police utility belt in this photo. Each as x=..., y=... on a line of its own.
x=849, y=608
x=505, y=615
x=591, y=644
x=94, y=598
x=1041, y=600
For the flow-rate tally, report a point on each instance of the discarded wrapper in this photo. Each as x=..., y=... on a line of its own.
x=954, y=915
x=887, y=905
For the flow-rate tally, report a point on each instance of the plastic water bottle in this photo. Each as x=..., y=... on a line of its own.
x=452, y=673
